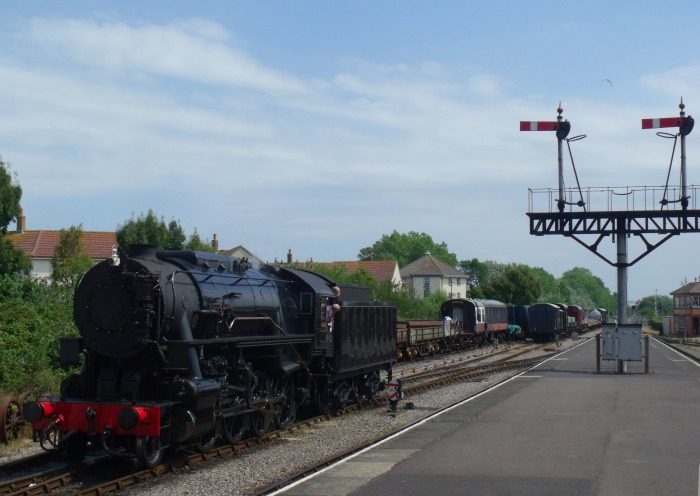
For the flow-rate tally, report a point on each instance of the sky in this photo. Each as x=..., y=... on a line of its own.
x=318, y=127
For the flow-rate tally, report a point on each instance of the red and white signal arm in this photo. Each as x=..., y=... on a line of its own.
x=539, y=125
x=394, y=390
x=685, y=124
x=562, y=128
x=661, y=122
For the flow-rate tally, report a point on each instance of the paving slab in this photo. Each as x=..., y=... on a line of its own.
x=558, y=429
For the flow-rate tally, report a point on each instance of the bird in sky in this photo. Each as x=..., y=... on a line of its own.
x=609, y=82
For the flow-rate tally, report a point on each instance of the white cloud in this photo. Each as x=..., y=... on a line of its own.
x=678, y=82
x=194, y=50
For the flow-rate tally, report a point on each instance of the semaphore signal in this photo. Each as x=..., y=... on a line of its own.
x=562, y=129
x=685, y=126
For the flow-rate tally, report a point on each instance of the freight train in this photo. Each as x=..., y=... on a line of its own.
x=181, y=348
x=465, y=323
x=468, y=322
x=548, y=321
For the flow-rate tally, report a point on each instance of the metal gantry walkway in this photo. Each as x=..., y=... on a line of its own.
x=639, y=219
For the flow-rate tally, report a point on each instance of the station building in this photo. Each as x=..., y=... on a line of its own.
x=686, y=310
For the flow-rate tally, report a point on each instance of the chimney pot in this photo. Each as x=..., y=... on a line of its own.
x=21, y=221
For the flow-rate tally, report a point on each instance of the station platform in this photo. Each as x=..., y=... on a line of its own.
x=557, y=429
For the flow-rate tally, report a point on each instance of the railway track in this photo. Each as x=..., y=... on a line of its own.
x=685, y=348
x=80, y=479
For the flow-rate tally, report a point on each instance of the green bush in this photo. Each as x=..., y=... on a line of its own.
x=656, y=323
x=33, y=318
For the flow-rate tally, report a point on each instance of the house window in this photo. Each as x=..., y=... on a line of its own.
x=696, y=301
x=426, y=287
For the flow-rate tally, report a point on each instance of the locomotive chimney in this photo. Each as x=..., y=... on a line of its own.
x=289, y=257
x=215, y=244
x=21, y=221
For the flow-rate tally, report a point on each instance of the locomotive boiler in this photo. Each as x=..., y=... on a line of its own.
x=182, y=348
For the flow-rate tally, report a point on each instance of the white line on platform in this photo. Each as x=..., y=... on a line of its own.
x=684, y=358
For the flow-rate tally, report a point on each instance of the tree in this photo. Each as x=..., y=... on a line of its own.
x=10, y=196
x=550, y=287
x=476, y=272
x=148, y=229
x=12, y=260
x=176, y=235
x=583, y=281
x=194, y=242
x=653, y=308
x=516, y=286
x=69, y=261
x=406, y=248
x=34, y=316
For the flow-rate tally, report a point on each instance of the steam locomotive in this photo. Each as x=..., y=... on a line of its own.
x=181, y=348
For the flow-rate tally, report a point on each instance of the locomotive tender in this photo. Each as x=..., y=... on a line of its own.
x=181, y=348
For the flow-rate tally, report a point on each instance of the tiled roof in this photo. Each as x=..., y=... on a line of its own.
x=429, y=266
x=381, y=270
x=41, y=244
x=690, y=288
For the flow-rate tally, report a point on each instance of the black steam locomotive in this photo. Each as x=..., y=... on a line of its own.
x=181, y=348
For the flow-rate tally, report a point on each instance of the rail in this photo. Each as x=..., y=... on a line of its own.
x=610, y=199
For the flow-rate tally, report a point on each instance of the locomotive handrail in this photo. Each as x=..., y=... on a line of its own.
x=243, y=340
x=238, y=278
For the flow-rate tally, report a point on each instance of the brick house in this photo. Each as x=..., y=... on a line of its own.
x=686, y=310
x=40, y=245
x=428, y=275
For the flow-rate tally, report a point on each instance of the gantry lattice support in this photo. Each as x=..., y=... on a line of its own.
x=628, y=223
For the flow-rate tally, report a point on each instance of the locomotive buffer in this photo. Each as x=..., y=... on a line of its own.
x=631, y=211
